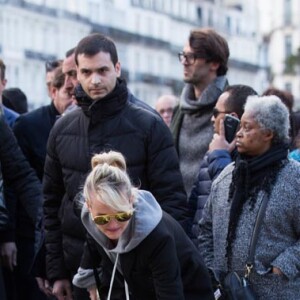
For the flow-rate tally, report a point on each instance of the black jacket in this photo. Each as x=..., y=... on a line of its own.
x=18, y=175
x=32, y=132
x=4, y=217
x=165, y=265
x=112, y=123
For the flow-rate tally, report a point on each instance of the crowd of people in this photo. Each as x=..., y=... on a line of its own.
x=105, y=197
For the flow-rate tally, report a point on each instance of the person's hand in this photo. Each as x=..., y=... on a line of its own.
x=219, y=141
x=62, y=289
x=93, y=293
x=9, y=255
x=44, y=286
x=276, y=271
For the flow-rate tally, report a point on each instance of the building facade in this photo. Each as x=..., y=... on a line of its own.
x=280, y=26
x=148, y=35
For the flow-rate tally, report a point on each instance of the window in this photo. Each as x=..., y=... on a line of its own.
x=150, y=24
x=137, y=23
x=288, y=46
x=228, y=24
x=287, y=12
x=136, y=2
x=159, y=5
x=199, y=14
x=210, y=21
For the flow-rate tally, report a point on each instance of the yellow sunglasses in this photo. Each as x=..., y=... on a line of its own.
x=120, y=217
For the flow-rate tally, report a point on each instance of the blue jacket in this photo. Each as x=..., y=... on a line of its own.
x=10, y=116
x=211, y=166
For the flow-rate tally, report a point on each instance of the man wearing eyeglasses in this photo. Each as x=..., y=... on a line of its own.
x=204, y=60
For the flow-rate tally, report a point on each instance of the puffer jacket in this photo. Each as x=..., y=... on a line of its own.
x=211, y=166
x=113, y=123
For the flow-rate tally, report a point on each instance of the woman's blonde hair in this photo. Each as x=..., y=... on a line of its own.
x=109, y=182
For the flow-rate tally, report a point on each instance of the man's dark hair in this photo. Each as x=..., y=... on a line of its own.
x=211, y=46
x=286, y=97
x=95, y=43
x=70, y=52
x=51, y=65
x=58, y=78
x=2, y=69
x=15, y=99
x=238, y=95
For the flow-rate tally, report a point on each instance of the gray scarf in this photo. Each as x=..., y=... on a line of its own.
x=208, y=97
x=196, y=129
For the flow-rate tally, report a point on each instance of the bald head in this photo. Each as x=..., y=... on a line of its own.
x=165, y=106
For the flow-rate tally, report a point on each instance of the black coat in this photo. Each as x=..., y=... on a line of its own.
x=18, y=175
x=32, y=132
x=113, y=123
x=165, y=265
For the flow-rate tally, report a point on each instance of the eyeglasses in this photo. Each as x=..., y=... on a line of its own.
x=216, y=112
x=120, y=217
x=189, y=58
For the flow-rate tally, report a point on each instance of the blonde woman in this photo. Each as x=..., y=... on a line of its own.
x=140, y=251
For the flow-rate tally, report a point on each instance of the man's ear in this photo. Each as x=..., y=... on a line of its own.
x=118, y=68
x=214, y=66
x=53, y=92
x=4, y=82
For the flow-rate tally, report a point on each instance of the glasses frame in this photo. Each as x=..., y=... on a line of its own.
x=189, y=57
x=216, y=112
x=119, y=217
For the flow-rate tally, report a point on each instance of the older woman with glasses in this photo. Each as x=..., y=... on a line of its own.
x=134, y=248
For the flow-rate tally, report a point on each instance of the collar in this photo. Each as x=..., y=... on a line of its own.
x=106, y=107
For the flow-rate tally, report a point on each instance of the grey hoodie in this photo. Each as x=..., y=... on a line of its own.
x=147, y=215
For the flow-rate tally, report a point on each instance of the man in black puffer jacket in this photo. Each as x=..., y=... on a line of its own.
x=110, y=118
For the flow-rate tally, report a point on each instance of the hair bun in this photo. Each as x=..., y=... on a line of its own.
x=112, y=158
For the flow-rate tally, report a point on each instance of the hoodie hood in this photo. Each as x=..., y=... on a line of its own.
x=147, y=214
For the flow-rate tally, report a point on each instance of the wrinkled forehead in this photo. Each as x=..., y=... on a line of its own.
x=250, y=117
